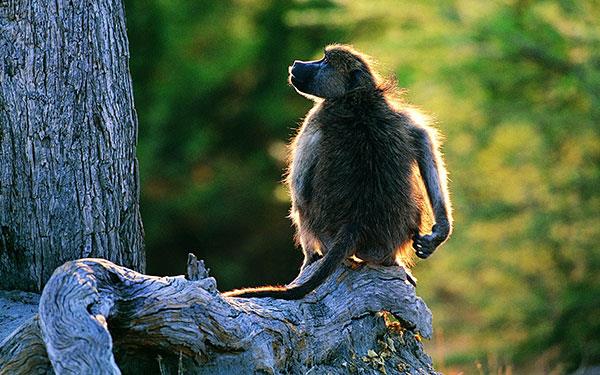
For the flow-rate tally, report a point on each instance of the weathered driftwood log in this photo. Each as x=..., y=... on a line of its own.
x=98, y=318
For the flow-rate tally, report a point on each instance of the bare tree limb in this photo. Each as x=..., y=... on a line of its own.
x=24, y=352
x=95, y=315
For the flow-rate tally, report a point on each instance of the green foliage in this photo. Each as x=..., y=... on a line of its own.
x=515, y=86
x=215, y=113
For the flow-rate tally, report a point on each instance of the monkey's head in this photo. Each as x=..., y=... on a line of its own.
x=341, y=70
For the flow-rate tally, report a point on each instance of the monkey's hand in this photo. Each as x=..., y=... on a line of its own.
x=426, y=244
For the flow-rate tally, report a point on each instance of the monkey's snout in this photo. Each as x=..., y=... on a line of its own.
x=302, y=74
x=295, y=64
x=291, y=71
x=299, y=71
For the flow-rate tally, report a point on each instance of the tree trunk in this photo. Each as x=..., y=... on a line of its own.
x=68, y=170
x=99, y=318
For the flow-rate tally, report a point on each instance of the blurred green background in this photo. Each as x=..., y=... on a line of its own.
x=515, y=88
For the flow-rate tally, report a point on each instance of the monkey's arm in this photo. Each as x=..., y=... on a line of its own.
x=433, y=173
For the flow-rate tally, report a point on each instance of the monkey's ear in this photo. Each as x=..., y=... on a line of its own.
x=357, y=79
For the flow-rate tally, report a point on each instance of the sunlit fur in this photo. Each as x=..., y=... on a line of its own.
x=361, y=169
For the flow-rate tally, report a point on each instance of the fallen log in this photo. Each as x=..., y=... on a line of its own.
x=99, y=318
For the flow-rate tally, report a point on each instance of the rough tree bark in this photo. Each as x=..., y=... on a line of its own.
x=68, y=128
x=99, y=318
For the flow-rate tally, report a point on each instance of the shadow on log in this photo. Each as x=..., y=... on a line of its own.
x=99, y=318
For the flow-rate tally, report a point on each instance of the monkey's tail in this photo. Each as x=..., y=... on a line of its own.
x=343, y=244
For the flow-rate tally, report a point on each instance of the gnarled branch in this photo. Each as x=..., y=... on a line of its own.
x=97, y=317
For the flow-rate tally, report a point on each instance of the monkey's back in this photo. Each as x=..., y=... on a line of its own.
x=365, y=176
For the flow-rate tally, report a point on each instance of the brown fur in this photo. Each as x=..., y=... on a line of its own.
x=353, y=174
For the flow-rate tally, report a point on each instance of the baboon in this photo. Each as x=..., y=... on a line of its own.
x=366, y=176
